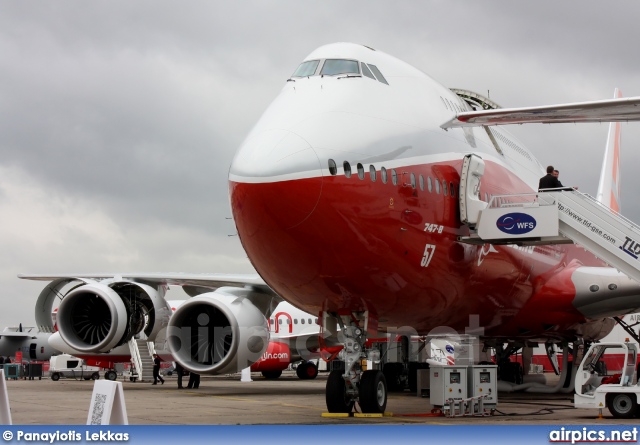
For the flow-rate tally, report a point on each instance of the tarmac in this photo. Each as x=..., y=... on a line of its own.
x=225, y=400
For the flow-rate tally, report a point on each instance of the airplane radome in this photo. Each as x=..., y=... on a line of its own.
x=350, y=199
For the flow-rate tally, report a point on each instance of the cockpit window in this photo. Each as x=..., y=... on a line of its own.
x=378, y=74
x=367, y=72
x=339, y=66
x=307, y=68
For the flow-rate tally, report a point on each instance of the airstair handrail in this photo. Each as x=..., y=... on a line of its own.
x=135, y=356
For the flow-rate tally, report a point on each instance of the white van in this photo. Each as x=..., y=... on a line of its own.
x=65, y=365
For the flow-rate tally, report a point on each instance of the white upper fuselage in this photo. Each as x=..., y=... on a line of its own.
x=359, y=119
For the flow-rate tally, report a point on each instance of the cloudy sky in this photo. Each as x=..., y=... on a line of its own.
x=119, y=119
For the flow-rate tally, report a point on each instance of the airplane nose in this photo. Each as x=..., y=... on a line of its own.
x=275, y=181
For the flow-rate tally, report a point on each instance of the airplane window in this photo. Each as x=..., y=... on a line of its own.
x=316, y=321
x=271, y=321
x=437, y=186
x=372, y=173
x=421, y=182
x=444, y=187
x=367, y=72
x=295, y=321
x=302, y=321
x=413, y=180
x=429, y=184
x=333, y=168
x=332, y=67
x=394, y=177
x=288, y=321
x=360, y=171
x=378, y=74
x=383, y=175
x=280, y=321
x=307, y=68
x=347, y=169
x=452, y=190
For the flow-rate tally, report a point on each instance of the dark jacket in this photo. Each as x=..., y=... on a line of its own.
x=549, y=182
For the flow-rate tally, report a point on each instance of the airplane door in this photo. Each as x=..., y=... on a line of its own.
x=33, y=347
x=469, y=195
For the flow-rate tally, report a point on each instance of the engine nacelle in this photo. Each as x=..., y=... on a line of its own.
x=99, y=316
x=276, y=358
x=218, y=332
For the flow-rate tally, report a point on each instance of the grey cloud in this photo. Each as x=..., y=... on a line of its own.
x=133, y=110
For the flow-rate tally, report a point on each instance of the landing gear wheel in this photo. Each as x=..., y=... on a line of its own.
x=622, y=406
x=373, y=392
x=312, y=371
x=271, y=374
x=336, y=394
x=110, y=375
x=95, y=376
x=307, y=371
x=301, y=370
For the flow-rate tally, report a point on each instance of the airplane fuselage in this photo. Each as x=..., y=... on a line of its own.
x=345, y=196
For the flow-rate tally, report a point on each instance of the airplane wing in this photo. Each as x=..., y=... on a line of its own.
x=178, y=278
x=209, y=281
x=611, y=110
x=18, y=335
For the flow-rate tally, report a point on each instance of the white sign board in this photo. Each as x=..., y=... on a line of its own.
x=107, y=404
x=5, y=409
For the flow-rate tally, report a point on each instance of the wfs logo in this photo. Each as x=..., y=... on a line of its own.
x=516, y=223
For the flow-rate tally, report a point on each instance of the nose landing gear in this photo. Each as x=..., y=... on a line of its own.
x=355, y=384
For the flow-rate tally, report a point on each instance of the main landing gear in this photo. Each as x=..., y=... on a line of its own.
x=355, y=384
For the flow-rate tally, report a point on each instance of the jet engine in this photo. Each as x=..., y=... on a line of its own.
x=99, y=316
x=218, y=332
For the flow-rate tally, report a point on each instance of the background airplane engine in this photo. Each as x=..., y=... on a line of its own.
x=277, y=357
x=218, y=332
x=99, y=316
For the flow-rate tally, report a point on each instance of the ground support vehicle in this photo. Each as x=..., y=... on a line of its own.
x=595, y=389
x=65, y=365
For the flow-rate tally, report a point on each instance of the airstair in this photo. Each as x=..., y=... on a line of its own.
x=141, y=358
x=557, y=216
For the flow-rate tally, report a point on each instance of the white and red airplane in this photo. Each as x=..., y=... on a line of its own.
x=346, y=199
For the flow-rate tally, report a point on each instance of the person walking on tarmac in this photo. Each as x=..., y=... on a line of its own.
x=194, y=380
x=156, y=370
x=179, y=373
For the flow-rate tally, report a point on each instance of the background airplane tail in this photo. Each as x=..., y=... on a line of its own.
x=609, y=186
